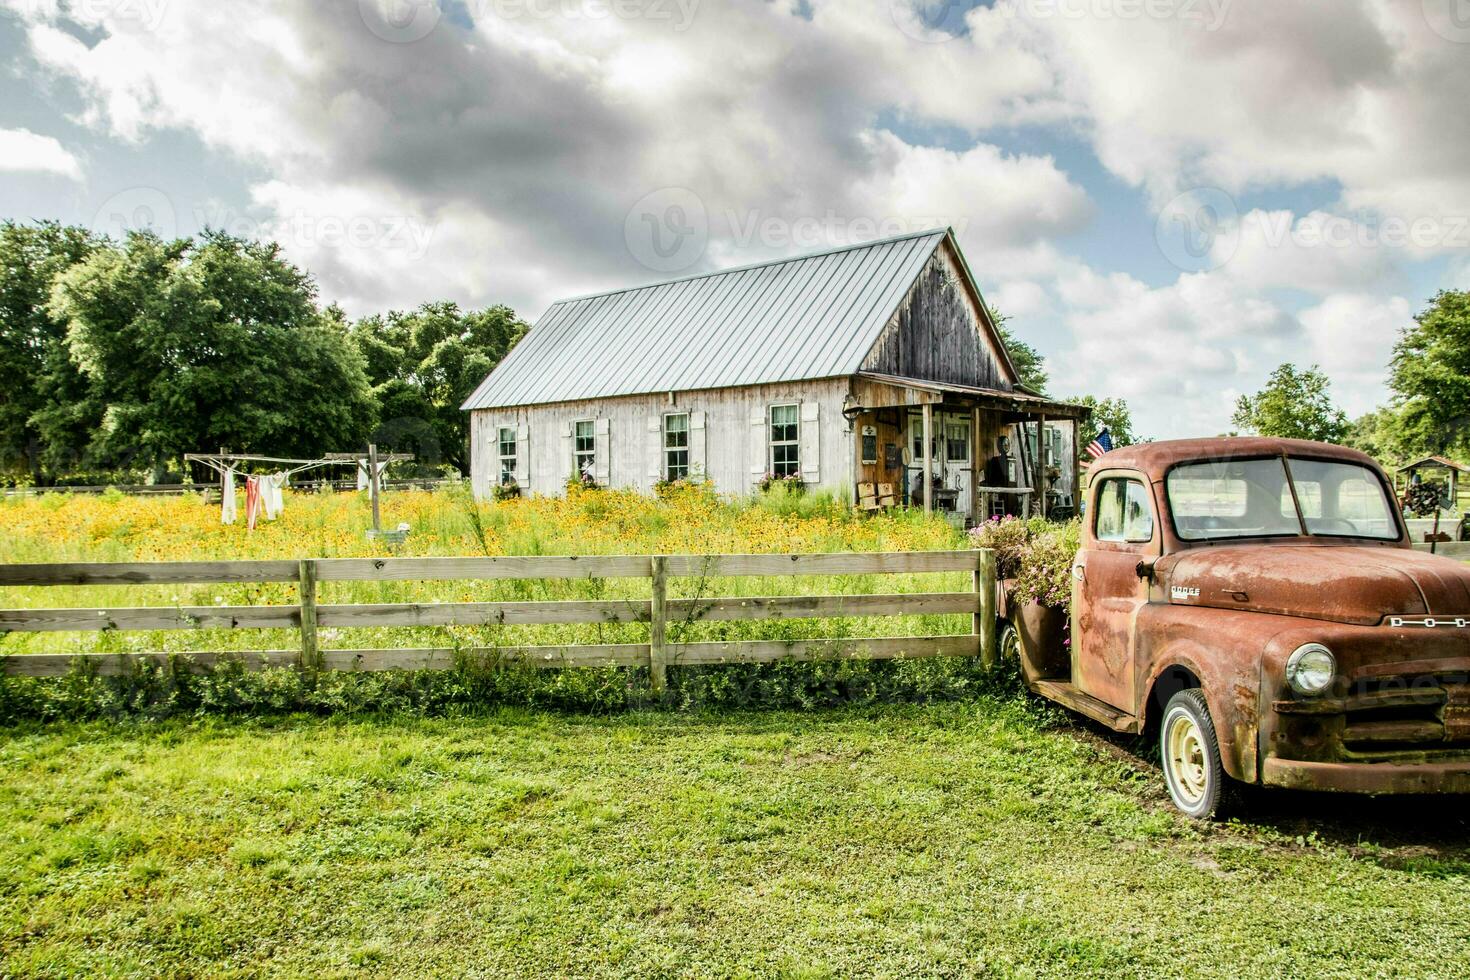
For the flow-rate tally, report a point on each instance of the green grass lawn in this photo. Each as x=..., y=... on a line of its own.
x=946, y=840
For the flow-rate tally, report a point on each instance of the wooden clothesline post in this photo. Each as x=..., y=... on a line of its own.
x=373, y=481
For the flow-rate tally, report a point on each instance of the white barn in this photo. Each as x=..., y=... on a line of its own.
x=828, y=367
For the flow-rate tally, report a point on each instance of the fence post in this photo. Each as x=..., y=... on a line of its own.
x=656, y=625
x=310, y=653
x=985, y=605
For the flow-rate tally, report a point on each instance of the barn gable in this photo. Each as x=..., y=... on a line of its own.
x=942, y=330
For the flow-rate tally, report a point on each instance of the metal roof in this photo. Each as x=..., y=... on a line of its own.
x=813, y=316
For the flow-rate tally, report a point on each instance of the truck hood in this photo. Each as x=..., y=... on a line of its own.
x=1359, y=585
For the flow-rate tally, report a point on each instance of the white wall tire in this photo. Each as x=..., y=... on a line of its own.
x=1008, y=643
x=1189, y=753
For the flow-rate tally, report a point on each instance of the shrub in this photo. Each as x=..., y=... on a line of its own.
x=1046, y=566
x=1008, y=537
x=791, y=483
x=1036, y=553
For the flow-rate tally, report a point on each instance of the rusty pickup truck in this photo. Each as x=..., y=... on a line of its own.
x=1257, y=605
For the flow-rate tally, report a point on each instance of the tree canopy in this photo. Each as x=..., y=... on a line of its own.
x=1294, y=404
x=1030, y=365
x=117, y=357
x=1430, y=377
x=34, y=367
x=423, y=364
x=1113, y=413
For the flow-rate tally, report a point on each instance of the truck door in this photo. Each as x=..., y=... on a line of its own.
x=1120, y=531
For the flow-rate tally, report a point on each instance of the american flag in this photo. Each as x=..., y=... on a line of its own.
x=1100, y=444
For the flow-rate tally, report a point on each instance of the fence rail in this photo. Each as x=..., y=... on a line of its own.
x=308, y=616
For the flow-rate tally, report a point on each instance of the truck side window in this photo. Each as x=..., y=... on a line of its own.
x=1123, y=512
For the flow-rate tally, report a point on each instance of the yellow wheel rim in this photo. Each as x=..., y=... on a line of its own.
x=1185, y=755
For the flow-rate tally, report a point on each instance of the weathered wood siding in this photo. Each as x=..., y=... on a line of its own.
x=730, y=448
x=938, y=333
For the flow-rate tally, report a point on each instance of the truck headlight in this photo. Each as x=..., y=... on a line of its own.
x=1310, y=668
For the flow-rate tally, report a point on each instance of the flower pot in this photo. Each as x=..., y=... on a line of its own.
x=1043, y=633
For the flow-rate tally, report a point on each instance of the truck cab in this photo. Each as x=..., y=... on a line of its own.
x=1257, y=604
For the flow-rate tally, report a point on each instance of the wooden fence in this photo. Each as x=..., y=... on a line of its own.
x=658, y=611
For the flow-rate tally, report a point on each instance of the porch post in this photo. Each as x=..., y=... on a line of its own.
x=976, y=469
x=1076, y=468
x=1041, y=463
x=928, y=457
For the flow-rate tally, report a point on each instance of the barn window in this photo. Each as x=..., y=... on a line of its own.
x=785, y=440
x=676, y=446
x=507, y=440
x=584, y=449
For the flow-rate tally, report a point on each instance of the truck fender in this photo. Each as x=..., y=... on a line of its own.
x=1233, y=703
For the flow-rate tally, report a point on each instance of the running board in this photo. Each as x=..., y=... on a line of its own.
x=1064, y=693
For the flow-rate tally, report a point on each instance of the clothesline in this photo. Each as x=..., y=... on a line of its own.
x=263, y=494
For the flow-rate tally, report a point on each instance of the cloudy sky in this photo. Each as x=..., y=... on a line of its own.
x=1167, y=197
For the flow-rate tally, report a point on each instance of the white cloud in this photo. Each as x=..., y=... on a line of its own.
x=22, y=151
x=1352, y=337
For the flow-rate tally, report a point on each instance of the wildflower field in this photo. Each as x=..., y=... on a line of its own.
x=917, y=818
x=688, y=520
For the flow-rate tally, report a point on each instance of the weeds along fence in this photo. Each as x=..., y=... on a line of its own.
x=659, y=611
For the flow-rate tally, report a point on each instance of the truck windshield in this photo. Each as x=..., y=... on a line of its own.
x=1252, y=498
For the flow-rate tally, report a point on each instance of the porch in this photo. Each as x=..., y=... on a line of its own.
x=972, y=452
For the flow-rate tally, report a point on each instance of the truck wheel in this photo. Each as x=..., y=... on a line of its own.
x=1008, y=645
x=1190, y=754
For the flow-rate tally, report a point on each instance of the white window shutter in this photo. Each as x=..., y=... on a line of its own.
x=654, y=449
x=523, y=455
x=810, y=443
x=757, y=445
x=697, y=466
x=568, y=457
x=602, y=455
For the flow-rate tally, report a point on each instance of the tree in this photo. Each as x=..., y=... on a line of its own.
x=1113, y=413
x=1293, y=405
x=191, y=345
x=33, y=358
x=1030, y=365
x=424, y=363
x=1430, y=376
x=1379, y=433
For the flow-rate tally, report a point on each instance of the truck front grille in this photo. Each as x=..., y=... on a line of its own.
x=1398, y=713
